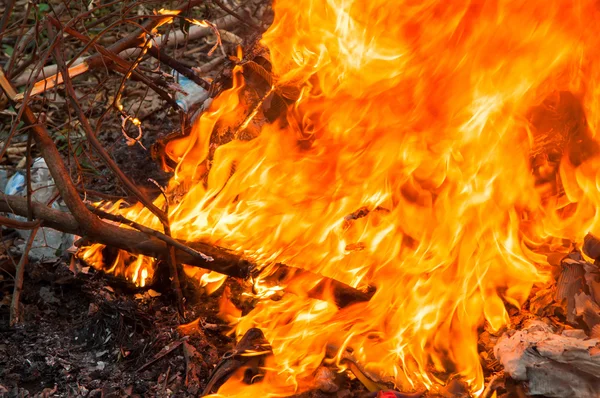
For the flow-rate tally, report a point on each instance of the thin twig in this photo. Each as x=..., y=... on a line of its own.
x=166, y=350
x=487, y=393
x=171, y=259
x=234, y=14
x=28, y=175
x=149, y=231
x=8, y=8
x=209, y=66
x=16, y=224
x=15, y=305
x=93, y=140
x=159, y=54
x=102, y=195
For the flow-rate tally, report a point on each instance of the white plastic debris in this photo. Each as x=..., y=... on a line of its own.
x=195, y=94
x=48, y=243
x=552, y=365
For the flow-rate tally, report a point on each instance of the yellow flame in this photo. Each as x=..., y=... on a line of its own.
x=419, y=113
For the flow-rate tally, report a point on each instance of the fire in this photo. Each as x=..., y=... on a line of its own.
x=137, y=269
x=417, y=116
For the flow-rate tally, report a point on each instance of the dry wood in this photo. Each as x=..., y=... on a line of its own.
x=15, y=305
x=246, y=21
x=224, y=261
x=165, y=58
x=254, y=342
x=83, y=64
x=11, y=223
x=172, y=259
x=93, y=140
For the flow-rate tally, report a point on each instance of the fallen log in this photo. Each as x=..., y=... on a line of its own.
x=223, y=261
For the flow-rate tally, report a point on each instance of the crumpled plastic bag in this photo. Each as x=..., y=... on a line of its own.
x=48, y=243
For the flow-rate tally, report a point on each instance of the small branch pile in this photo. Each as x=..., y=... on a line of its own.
x=124, y=57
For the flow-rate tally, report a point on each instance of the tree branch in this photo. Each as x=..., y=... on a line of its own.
x=234, y=14
x=15, y=305
x=93, y=140
x=224, y=261
x=16, y=224
x=195, y=32
x=157, y=53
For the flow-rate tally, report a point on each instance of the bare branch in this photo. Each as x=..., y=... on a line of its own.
x=11, y=223
x=224, y=261
x=246, y=21
x=165, y=58
x=15, y=305
x=93, y=140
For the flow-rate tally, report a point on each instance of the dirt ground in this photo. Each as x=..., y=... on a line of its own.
x=85, y=336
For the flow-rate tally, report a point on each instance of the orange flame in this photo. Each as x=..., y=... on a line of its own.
x=416, y=114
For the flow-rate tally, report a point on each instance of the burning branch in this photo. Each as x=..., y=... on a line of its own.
x=84, y=222
x=196, y=254
x=149, y=231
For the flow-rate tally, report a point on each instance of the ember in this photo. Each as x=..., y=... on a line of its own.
x=429, y=161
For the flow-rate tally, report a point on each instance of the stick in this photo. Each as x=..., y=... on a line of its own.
x=15, y=311
x=16, y=224
x=165, y=350
x=195, y=32
x=236, y=15
x=28, y=165
x=93, y=140
x=165, y=58
x=8, y=8
x=171, y=258
x=224, y=261
x=149, y=231
x=489, y=389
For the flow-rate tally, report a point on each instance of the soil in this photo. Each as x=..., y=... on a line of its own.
x=92, y=335
x=85, y=336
